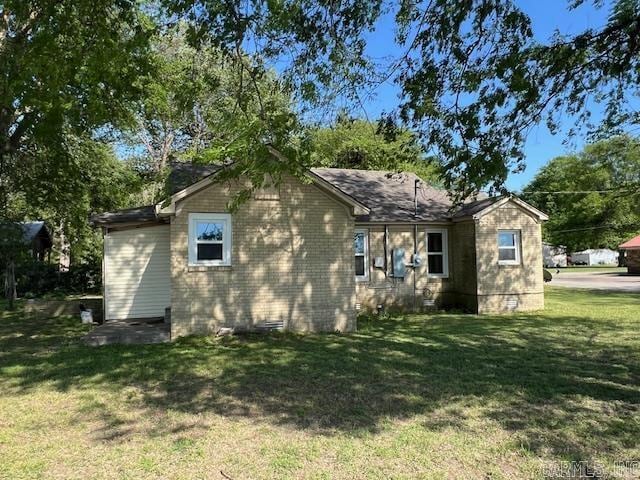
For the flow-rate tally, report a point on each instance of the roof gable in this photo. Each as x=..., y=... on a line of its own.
x=480, y=208
x=182, y=175
x=185, y=171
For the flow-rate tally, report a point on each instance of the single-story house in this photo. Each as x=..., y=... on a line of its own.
x=310, y=253
x=554, y=255
x=632, y=250
x=595, y=256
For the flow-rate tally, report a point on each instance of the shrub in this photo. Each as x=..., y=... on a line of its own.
x=36, y=279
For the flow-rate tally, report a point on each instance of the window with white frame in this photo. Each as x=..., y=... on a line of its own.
x=508, y=247
x=437, y=252
x=361, y=249
x=209, y=239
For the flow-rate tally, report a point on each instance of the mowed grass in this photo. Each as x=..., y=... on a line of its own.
x=419, y=396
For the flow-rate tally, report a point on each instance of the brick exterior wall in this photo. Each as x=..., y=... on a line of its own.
x=476, y=281
x=464, y=266
x=292, y=261
x=504, y=288
x=633, y=262
x=402, y=293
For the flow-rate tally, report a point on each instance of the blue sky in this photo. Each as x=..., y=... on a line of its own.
x=547, y=16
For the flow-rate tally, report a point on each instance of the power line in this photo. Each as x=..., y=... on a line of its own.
x=597, y=227
x=562, y=192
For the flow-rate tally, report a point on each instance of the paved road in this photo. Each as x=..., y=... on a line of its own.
x=597, y=281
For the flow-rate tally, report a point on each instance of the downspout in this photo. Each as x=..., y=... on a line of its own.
x=415, y=238
x=415, y=252
x=105, y=232
x=386, y=251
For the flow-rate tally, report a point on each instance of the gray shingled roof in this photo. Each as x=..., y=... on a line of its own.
x=143, y=214
x=184, y=174
x=472, y=208
x=390, y=195
x=30, y=230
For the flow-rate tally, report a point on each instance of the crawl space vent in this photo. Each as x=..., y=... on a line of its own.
x=511, y=303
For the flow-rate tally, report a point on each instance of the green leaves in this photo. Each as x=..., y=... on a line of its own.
x=605, y=210
x=353, y=143
x=473, y=77
x=70, y=73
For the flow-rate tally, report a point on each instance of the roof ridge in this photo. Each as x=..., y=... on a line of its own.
x=405, y=172
x=365, y=170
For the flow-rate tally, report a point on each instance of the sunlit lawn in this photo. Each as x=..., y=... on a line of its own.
x=422, y=396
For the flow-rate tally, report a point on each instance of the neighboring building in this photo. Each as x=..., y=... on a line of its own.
x=36, y=236
x=310, y=254
x=554, y=255
x=632, y=250
x=595, y=256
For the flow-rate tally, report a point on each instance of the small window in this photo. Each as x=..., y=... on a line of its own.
x=361, y=249
x=437, y=253
x=209, y=239
x=508, y=247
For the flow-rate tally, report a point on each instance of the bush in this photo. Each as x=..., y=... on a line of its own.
x=36, y=279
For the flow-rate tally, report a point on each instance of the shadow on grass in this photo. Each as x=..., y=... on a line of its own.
x=543, y=376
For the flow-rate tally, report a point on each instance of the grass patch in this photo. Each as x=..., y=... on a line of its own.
x=446, y=395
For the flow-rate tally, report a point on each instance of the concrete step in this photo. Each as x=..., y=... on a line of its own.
x=117, y=332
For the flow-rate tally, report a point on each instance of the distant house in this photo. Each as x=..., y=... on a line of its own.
x=595, y=256
x=632, y=249
x=554, y=255
x=37, y=238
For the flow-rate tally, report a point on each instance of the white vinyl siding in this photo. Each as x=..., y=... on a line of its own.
x=137, y=276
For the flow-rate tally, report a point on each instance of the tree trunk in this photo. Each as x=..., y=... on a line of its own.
x=10, y=283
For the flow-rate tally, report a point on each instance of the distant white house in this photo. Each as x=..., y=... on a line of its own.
x=595, y=256
x=554, y=255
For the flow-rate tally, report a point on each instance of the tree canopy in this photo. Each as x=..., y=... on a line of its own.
x=356, y=143
x=249, y=83
x=196, y=106
x=69, y=67
x=71, y=71
x=604, y=209
x=474, y=78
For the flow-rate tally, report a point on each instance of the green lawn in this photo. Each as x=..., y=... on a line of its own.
x=444, y=396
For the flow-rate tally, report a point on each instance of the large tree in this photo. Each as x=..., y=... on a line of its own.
x=474, y=78
x=382, y=145
x=593, y=197
x=69, y=67
x=93, y=180
x=197, y=106
x=70, y=70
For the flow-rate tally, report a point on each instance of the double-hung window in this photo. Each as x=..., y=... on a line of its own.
x=209, y=239
x=437, y=253
x=361, y=249
x=508, y=247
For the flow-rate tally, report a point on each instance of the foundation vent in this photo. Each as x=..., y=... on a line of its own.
x=511, y=303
